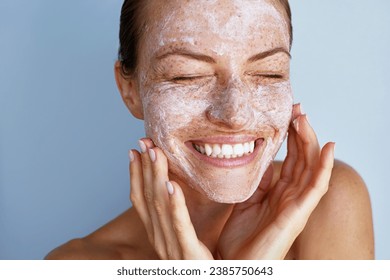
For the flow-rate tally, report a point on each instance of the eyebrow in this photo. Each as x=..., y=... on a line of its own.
x=209, y=59
x=265, y=54
x=190, y=54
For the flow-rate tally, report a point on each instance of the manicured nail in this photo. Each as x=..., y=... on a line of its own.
x=301, y=108
x=169, y=187
x=296, y=124
x=131, y=155
x=334, y=147
x=142, y=146
x=152, y=155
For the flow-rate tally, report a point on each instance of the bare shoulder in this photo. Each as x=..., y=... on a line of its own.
x=341, y=225
x=117, y=240
x=83, y=249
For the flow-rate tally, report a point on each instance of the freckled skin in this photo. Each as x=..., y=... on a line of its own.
x=216, y=104
x=230, y=95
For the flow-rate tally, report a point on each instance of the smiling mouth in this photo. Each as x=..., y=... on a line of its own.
x=226, y=151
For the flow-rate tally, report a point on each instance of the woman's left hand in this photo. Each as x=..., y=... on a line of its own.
x=273, y=218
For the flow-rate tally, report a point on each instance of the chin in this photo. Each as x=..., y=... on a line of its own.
x=225, y=186
x=232, y=183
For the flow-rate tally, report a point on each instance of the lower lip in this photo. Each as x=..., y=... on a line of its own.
x=229, y=162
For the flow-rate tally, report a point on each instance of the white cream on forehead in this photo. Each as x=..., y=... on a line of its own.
x=236, y=26
x=175, y=110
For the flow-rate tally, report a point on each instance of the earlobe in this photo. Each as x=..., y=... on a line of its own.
x=128, y=89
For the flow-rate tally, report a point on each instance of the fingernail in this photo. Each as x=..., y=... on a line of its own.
x=301, y=108
x=131, y=155
x=334, y=147
x=152, y=155
x=307, y=118
x=142, y=146
x=170, y=188
x=295, y=123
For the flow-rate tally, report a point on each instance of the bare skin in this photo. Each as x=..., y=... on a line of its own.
x=283, y=217
x=339, y=228
x=308, y=207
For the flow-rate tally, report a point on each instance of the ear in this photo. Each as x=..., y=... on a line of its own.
x=128, y=89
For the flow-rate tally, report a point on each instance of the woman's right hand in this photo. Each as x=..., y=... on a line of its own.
x=274, y=216
x=160, y=204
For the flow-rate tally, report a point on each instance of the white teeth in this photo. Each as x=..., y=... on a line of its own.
x=208, y=149
x=216, y=149
x=238, y=150
x=225, y=150
x=251, y=146
x=246, y=148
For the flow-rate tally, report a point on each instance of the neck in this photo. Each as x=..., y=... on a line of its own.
x=207, y=216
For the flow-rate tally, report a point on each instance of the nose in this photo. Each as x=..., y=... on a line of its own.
x=232, y=107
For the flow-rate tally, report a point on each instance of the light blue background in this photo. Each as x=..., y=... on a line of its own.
x=65, y=133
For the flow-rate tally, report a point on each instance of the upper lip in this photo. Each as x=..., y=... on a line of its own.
x=232, y=139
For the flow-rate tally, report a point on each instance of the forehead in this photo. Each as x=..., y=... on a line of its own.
x=196, y=22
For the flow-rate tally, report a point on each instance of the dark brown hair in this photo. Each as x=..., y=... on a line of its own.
x=132, y=24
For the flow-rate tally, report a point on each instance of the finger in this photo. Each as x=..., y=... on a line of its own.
x=310, y=149
x=291, y=158
x=321, y=180
x=294, y=164
x=300, y=163
x=159, y=164
x=145, y=144
x=320, y=183
x=297, y=111
x=137, y=191
x=158, y=236
x=189, y=243
x=292, y=149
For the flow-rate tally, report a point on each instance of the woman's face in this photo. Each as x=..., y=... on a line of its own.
x=213, y=77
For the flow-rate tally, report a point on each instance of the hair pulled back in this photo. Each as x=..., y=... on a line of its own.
x=132, y=25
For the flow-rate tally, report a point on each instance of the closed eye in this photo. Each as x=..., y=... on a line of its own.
x=267, y=78
x=185, y=78
x=190, y=79
x=271, y=76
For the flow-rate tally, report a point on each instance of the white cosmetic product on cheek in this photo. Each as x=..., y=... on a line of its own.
x=176, y=116
x=171, y=121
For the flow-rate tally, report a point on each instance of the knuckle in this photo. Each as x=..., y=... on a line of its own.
x=145, y=164
x=174, y=253
x=178, y=228
x=160, y=251
x=158, y=206
x=148, y=196
x=134, y=197
x=325, y=188
x=156, y=171
x=171, y=254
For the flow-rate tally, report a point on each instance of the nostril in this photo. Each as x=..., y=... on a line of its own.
x=231, y=117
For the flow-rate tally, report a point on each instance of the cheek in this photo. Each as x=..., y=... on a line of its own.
x=273, y=105
x=169, y=113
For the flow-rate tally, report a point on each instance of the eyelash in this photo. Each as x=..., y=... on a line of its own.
x=189, y=79
x=183, y=78
x=271, y=76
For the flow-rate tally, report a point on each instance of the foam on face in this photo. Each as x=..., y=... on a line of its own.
x=174, y=113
